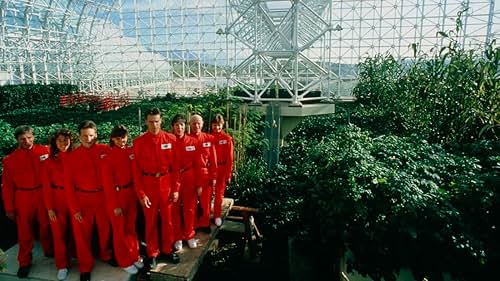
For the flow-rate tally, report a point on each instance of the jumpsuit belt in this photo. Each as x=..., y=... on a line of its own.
x=183, y=170
x=89, y=190
x=221, y=163
x=155, y=175
x=28, y=188
x=125, y=186
x=56, y=186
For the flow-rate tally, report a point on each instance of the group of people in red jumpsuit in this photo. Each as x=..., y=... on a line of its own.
x=72, y=192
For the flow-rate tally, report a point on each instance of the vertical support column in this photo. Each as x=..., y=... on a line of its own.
x=272, y=134
x=490, y=23
x=295, y=48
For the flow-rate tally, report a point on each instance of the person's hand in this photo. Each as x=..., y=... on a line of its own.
x=228, y=181
x=52, y=215
x=145, y=202
x=175, y=196
x=117, y=212
x=199, y=190
x=213, y=182
x=78, y=217
x=11, y=215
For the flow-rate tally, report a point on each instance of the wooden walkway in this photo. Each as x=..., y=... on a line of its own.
x=44, y=269
x=191, y=259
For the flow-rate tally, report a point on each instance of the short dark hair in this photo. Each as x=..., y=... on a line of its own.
x=21, y=130
x=117, y=131
x=54, y=151
x=87, y=124
x=152, y=111
x=178, y=118
x=218, y=118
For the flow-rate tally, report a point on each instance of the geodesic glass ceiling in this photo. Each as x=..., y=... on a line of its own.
x=153, y=47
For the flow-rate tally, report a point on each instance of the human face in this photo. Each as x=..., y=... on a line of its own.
x=26, y=140
x=63, y=143
x=179, y=128
x=88, y=137
x=154, y=123
x=120, y=142
x=217, y=127
x=196, y=124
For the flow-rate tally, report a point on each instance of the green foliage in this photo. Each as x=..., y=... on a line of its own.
x=394, y=202
x=7, y=139
x=32, y=95
x=272, y=192
x=388, y=201
x=450, y=97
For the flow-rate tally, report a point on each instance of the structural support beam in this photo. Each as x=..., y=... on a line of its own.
x=281, y=119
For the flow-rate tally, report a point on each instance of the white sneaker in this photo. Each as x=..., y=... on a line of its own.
x=139, y=264
x=218, y=222
x=62, y=274
x=192, y=243
x=178, y=245
x=130, y=269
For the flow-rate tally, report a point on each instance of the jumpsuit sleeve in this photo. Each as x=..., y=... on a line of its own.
x=198, y=164
x=176, y=176
x=230, y=159
x=136, y=172
x=108, y=183
x=7, y=188
x=46, y=188
x=212, y=160
x=69, y=187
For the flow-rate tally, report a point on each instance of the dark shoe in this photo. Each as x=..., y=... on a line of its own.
x=205, y=229
x=170, y=258
x=23, y=271
x=112, y=262
x=49, y=255
x=85, y=276
x=150, y=263
x=173, y=258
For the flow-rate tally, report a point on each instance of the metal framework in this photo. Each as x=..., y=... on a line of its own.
x=272, y=50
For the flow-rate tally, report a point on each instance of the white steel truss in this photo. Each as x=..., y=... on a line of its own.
x=289, y=49
x=279, y=34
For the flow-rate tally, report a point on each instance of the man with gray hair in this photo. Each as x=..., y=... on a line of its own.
x=22, y=195
x=208, y=170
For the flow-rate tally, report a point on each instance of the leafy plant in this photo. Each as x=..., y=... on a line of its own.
x=451, y=96
x=393, y=202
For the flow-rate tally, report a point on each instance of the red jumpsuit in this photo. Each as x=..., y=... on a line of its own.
x=184, y=210
x=55, y=199
x=224, y=150
x=22, y=195
x=208, y=174
x=122, y=195
x=156, y=176
x=84, y=183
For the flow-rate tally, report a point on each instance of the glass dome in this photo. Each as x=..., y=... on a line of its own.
x=154, y=47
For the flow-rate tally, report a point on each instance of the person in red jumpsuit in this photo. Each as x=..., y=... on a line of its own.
x=55, y=198
x=208, y=170
x=22, y=196
x=156, y=177
x=122, y=201
x=224, y=150
x=189, y=159
x=87, y=169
